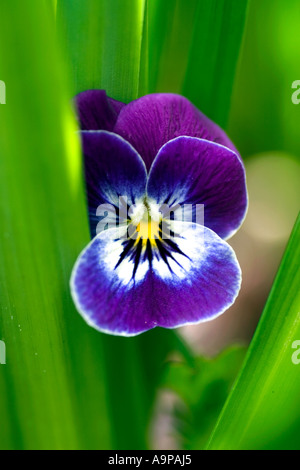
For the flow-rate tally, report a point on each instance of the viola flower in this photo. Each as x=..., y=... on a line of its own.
x=147, y=267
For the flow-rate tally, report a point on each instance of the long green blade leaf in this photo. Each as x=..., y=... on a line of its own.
x=194, y=50
x=263, y=410
x=52, y=393
x=213, y=56
x=103, y=43
x=171, y=24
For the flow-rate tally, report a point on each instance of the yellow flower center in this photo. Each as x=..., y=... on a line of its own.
x=148, y=226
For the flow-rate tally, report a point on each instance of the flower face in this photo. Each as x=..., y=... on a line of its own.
x=165, y=187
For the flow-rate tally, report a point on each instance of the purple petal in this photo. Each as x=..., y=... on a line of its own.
x=194, y=171
x=96, y=111
x=113, y=169
x=151, y=121
x=200, y=280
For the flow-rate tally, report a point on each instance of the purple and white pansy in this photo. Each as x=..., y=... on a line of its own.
x=156, y=258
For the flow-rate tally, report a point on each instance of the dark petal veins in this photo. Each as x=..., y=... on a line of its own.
x=194, y=171
x=96, y=111
x=151, y=121
x=113, y=170
x=199, y=281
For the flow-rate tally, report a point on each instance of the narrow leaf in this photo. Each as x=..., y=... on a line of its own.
x=194, y=48
x=103, y=43
x=263, y=410
x=213, y=56
x=51, y=387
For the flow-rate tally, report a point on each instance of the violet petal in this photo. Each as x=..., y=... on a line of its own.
x=189, y=170
x=113, y=170
x=151, y=121
x=96, y=111
x=200, y=280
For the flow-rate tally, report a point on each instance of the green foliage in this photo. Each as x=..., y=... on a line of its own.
x=193, y=50
x=52, y=387
x=203, y=388
x=103, y=42
x=262, y=116
x=263, y=410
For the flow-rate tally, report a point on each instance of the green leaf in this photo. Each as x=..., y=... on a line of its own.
x=213, y=56
x=171, y=25
x=52, y=387
x=103, y=42
x=194, y=48
x=263, y=410
x=203, y=387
